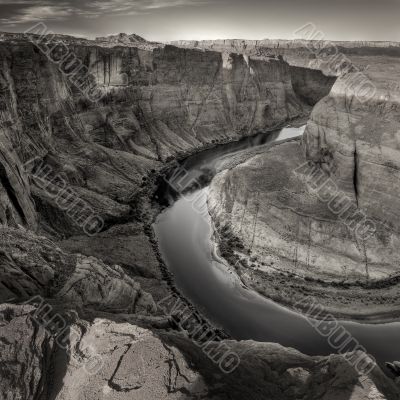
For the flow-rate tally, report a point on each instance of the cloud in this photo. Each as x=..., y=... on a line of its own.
x=25, y=11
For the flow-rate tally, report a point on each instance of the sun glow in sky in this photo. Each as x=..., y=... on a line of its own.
x=163, y=20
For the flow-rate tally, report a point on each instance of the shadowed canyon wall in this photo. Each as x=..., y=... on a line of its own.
x=157, y=105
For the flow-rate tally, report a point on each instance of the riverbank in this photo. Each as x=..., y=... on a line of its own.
x=159, y=204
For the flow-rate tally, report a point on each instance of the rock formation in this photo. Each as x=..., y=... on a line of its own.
x=324, y=212
x=32, y=266
x=103, y=359
x=312, y=53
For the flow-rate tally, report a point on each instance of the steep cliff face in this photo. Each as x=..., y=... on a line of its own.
x=241, y=44
x=356, y=142
x=156, y=105
x=309, y=82
x=325, y=212
x=299, y=52
x=310, y=85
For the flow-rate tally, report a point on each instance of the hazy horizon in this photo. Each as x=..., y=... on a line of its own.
x=163, y=21
x=80, y=36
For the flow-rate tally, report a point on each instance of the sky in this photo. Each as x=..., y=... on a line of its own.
x=163, y=20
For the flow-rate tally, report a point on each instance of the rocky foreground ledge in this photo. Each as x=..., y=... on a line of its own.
x=108, y=358
x=87, y=330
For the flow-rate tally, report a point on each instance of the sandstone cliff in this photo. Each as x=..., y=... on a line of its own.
x=315, y=237
x=298, y=52
x=156, y=106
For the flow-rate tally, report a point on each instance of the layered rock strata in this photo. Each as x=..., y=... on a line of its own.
x=155, y=105
x=317, y=54
x=323, y=214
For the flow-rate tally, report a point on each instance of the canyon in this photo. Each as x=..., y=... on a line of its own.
x=77, y=203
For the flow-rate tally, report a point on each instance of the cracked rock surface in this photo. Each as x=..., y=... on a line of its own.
x=103, y=359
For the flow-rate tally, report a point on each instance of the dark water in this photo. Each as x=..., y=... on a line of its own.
x=184, y=236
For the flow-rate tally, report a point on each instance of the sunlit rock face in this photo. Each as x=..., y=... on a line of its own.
x=105, y=359
x=325, y=212
x=356, y=140
x=322, y=55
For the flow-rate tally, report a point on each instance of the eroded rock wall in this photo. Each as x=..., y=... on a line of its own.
x=299, y=52
x=356, y=143
x=157, y=105
x=303, y=209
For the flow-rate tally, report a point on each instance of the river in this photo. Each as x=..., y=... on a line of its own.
x=184, y=237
